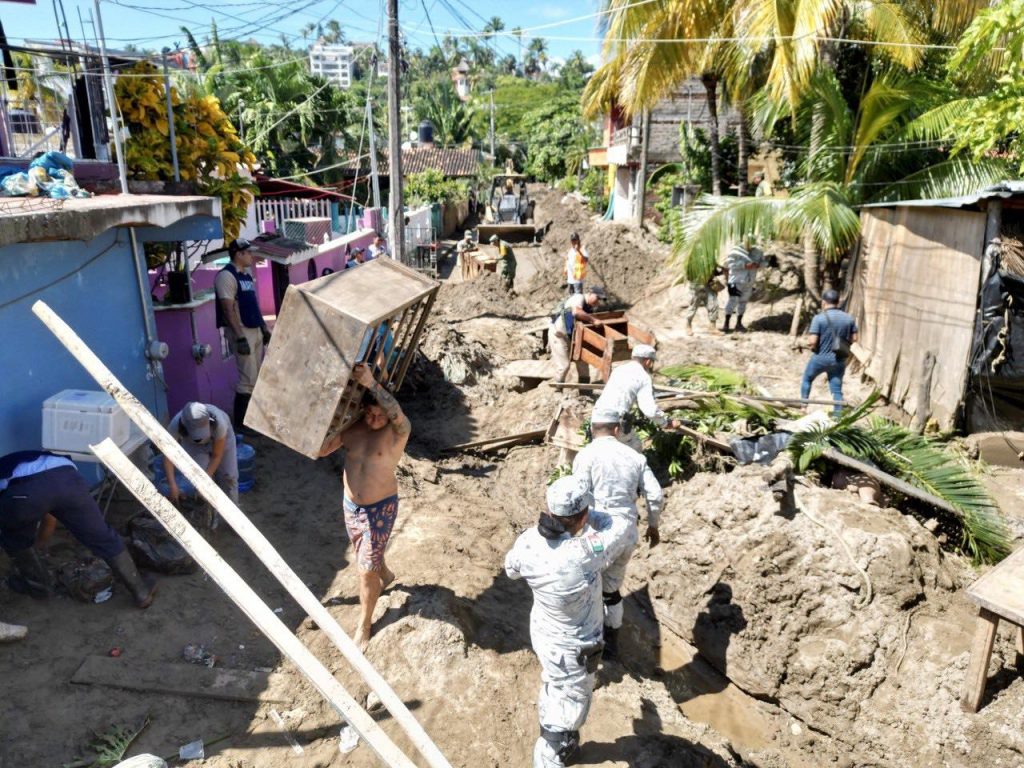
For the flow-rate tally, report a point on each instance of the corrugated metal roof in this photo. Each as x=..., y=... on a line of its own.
x=1003, y=189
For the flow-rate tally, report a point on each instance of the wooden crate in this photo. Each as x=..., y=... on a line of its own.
x=607, y=340
x=373, y=313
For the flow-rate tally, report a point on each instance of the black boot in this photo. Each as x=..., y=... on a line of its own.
x=31, y=576
x=725, y=326
x=240, y=408
x=740, y=327
x=611, y=644
x=143, y=589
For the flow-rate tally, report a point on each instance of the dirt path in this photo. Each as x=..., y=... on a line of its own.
x=745, y=640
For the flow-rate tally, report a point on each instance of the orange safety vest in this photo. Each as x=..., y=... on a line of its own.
x=579, y=265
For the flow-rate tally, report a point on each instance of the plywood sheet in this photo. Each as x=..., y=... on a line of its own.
x=182, y=680
x=916, y=291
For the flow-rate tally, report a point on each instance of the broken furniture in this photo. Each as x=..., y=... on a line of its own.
x=999, y=594
x=606, y=340
x=483, y=259
x=373, y=314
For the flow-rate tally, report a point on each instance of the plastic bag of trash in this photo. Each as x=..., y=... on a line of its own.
x=86, y=578
x=142, y=761
x=154, y=548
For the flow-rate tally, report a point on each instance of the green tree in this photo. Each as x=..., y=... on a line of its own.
x=452, y=118
x=575, y=72
x=863, y=157
x=536, y=58
x=556, y=138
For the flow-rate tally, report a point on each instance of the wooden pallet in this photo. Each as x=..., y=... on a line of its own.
x=607, y=340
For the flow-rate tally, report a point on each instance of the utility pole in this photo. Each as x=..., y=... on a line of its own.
x=112, y=103
x=492, y=123
x=66, y=46
x=170, y=116
x=374, y=175
x=396, y=211
x=641, y=176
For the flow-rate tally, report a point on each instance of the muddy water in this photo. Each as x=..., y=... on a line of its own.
x=705, y=696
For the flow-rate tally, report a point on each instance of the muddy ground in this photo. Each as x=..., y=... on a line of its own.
x=750, y=638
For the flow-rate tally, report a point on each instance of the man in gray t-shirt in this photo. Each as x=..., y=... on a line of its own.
x=205, y=433
x=828, y=329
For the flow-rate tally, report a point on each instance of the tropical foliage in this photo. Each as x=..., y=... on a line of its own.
x=917, y=460
x=432, y=186
x=210, y=153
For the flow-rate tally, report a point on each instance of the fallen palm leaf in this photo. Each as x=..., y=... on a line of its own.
x=707, y=378
x=109, y=747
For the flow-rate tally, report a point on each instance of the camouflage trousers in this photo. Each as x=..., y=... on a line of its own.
x=702, y=296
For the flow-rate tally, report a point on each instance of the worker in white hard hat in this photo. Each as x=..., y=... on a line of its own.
x=617, y=475
x=462, y=249
x=630, y=384
x=562, y=558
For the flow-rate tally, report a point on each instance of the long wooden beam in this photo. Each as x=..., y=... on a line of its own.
x=249, y=602
x=244, y=527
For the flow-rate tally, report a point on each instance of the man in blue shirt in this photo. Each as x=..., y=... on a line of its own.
x=831, y=333
x=36, y=483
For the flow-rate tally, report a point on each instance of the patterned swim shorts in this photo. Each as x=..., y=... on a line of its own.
x=369, y=529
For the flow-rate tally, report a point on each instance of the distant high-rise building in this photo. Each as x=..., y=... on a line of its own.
x=332, y=61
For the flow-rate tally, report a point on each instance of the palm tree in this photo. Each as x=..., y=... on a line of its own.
x=862, y=157
x=307, y=30
x=493, y=26
x=334, y=32
x=536, y=57
x=450, y=116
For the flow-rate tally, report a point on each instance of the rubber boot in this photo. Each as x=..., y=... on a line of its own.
x=143, y=590
x=10, y=633
x=240, y=408
x=740, y=327
x=725, y=325
x=31, y=576
x=611, y=644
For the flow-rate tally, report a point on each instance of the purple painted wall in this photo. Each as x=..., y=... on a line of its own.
x=213, y=380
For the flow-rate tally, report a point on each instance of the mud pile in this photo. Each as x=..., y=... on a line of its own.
x=846, y=615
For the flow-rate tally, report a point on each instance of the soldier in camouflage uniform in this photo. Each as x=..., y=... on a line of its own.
x=705, y=295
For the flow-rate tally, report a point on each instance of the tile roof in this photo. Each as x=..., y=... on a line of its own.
x=451, y=161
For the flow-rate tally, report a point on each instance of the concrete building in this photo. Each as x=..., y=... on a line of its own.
x=620, y=150
x=85, y=259
x=332, y=61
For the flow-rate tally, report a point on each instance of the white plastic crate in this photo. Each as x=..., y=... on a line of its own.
x=76, y=418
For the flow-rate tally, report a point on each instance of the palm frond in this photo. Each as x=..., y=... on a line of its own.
x=888, y=21
x=939, y=123
x=922, y=463
x=843, y=434
x=823, y=209
x=712, y=223
x=960, y=175
x=887, y=101
x=707, y=378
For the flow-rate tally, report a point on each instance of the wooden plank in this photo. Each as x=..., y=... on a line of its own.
x=1001, y=590
x=590, y=358
x=886, y=479
x=707, y=440
x=183, y=680
x=977, y=668
x=534, y=434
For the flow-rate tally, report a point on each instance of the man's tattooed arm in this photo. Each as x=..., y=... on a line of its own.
x=391, y=407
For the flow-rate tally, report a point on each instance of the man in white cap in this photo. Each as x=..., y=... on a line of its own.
x=630, y=384
x=562, y=559
x=205, y=433
x=617, y=475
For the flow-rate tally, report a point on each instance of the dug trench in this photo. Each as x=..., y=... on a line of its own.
x=750, y=639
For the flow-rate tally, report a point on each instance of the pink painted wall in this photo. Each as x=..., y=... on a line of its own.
x=213, y=380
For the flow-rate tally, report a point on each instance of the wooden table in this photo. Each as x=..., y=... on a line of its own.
x=999, y=594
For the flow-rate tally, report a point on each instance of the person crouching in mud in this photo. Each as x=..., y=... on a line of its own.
x=373, y=447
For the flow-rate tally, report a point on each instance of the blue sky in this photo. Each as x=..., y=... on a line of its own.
x=152, y=24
